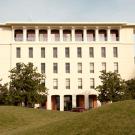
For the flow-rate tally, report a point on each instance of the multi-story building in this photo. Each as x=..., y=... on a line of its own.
x=71, y=55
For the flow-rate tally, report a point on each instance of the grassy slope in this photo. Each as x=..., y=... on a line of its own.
x=115, y=119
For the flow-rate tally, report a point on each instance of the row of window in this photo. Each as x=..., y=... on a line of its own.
x=67, y=83
x=79, y=67
x=67, y=35
x=67, y=52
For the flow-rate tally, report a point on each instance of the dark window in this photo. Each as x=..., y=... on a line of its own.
x=55, y=68
x=55, y=55
x=18, y=52
x=42, y=52
x=67, y=52
x=79, y=52
x=30, y=52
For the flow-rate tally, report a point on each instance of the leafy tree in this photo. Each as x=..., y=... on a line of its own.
x=4, y=94
x=112, y=87
x=131, y=87
x=26, y=86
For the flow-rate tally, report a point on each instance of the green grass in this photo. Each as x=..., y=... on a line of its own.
x=114, y=119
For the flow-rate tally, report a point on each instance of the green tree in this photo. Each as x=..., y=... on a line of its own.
x=26, y=86
x=112, y=87
x=4, y=94
x=131, y=87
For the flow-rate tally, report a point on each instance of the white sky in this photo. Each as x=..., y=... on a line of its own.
x=67, y=10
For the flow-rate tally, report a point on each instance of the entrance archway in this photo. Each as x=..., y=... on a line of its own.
x=67, y=102
x=92, y=101
x=55, y=99
x=80, y=101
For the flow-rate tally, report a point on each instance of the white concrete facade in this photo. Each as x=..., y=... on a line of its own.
x=71, y=36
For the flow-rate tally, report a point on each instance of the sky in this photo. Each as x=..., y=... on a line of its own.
x=67, y=10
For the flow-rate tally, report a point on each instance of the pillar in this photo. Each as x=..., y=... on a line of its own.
x=85, y=34
x=36, y=34
x=13, y=34
x=73, y=101
x=108, y=34
x=86, y=99
x=61, y=103
x=61, y=34
x=24, y=34
x=49, y=34
x=96, y=34
x=49, y=103
x=73, y=34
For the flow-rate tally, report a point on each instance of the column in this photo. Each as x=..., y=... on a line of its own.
x=61, y=34
x=13, y=34
x=49, y=34
x=119, y=34
x=36, y=34
x=61, y=103
x=85, y=34
x=49, y=103
x=96, y=33
x=24, y=34
x=108, y=34
x=86, y=101
x=73, y=101
x=73, y=34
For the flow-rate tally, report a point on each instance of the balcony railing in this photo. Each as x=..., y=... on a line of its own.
x=78, y=38
x=20, y=38
x=67, y=37
x=114, y=38
x=90, y=38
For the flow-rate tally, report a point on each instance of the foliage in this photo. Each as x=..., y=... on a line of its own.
x=26, y=86
x=131, y=87
x=4, y=94
x=113, y=88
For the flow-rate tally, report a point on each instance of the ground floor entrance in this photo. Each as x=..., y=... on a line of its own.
x=67, y=102
x=55, y=100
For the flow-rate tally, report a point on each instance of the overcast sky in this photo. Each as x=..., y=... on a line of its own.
x=67, y=10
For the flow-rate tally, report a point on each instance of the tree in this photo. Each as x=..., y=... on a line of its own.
x=4, y=95
x=26, y=86
x=131, y=87
x=113, y=88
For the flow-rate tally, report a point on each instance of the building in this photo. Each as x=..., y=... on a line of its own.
x=71, y=55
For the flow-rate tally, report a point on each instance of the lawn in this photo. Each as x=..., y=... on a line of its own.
x=113, y=119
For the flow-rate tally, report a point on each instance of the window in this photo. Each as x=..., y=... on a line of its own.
x=42, y=52
x=115, y=52
x=67, y=53
x=91, y=67
x=67, y=67
x=103, y=66
x=79, y=83
x=30, y=35
x=30, y=52
x=18, y=36
x=42, y=35
x=18, y=66
x=116, y=67
x=42, y=68
x=55, y=83
x=92, y=83
x=67, y=83
x=55, y=68
x=79, y=52
x=43, y=82
x=55, y=52
x=79, y=65
x=91, y=52
x=103, y=52
x=18, y=52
